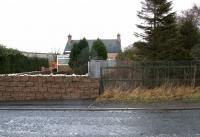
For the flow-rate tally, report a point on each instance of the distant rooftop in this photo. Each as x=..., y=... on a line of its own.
x=49, y=56
x=112, y=45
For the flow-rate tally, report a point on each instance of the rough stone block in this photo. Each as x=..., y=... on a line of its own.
x=39, y=96
x=16, y=78
x=42, y=79
x=9, y=78
x=52, y=90
x=42, y=89
x=29, y=98
x=6, y=93
x=59, y=79
x=63, y=84
x=69, y=90
x=14, y=94
x=2, y=88
x=67, y=79
x=74, y=84
x=47, y=84
x=53, y=96
x=9, y=89
x=34, y=89
x=4, y=83
x=2, y=98
x=18, y=89
x=22, y=94
x=75, y=95
x=61, y=90
x=84, y=95
x=66, y=85
x=94, y=85
x=13, y=84
x=76, y=79
x=21, y=84
x=29, y=84
x=37, y=84
x=66, y=96
x=50, y=79
x=2, y=78
x=31, y=94
x=55, y=85
x=26, y=89
x=33, y=78
x=87, y=80
x=24, y=78
x=82, y=85
x=57, y=95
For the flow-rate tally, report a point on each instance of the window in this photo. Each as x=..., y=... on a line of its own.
x=63, y=59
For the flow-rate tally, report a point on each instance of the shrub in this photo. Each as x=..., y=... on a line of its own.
x=13, y=61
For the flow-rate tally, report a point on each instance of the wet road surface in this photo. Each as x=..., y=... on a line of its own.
x=100, y=123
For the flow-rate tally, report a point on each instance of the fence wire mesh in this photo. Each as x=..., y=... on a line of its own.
x=128, y=75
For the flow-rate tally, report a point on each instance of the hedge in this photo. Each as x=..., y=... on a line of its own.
x=13, y=61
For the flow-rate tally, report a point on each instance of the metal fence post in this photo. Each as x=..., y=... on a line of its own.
x=101, y=87
x=194, y=77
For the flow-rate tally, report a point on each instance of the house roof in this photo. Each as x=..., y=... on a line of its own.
x=112, y=45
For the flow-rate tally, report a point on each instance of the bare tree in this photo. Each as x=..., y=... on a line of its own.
x=193, y=15
x=55, y=52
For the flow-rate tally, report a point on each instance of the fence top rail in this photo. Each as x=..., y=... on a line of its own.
x=132, y=67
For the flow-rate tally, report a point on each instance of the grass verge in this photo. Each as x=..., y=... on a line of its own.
x=160, y=94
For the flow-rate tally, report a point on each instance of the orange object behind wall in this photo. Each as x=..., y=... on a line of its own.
x=52, y=64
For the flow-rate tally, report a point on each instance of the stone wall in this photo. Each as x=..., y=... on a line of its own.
x=47, y=88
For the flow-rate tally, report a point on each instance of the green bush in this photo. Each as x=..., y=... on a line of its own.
x=79, y=57
x=98, y=51
x=13, y=61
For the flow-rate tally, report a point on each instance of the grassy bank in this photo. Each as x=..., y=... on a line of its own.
x=160, y=94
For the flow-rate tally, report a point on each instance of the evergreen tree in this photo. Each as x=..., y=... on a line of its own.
x=195, y=52
x=189, y=32
x=159, y=30
x=13, y=61
x=189, y=36
x=83, y=56
x=98, y=50
x=79, y=55
x=132, y=53
x=73, y=61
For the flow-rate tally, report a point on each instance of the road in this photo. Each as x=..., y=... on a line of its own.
x=100, y=123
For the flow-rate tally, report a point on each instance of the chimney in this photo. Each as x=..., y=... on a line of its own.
x=69, y=38
x=119, y=37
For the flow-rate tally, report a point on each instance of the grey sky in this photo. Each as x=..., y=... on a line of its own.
x=43, y=25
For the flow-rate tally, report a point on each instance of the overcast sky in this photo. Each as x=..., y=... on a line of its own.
x=43, y=25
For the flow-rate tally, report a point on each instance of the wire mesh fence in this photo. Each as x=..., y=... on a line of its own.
x=128, y=75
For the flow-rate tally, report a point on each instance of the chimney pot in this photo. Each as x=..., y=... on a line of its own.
x=69, y=38
x=119, y=37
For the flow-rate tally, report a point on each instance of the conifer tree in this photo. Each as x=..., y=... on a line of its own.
x=79, y=55
x=159, y=28
x=98, y=50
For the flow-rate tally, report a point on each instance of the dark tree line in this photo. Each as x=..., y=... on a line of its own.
x=13, y=61
x=165, y=36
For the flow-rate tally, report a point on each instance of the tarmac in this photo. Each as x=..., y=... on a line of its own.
x=87, y=118
x=92, y=105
